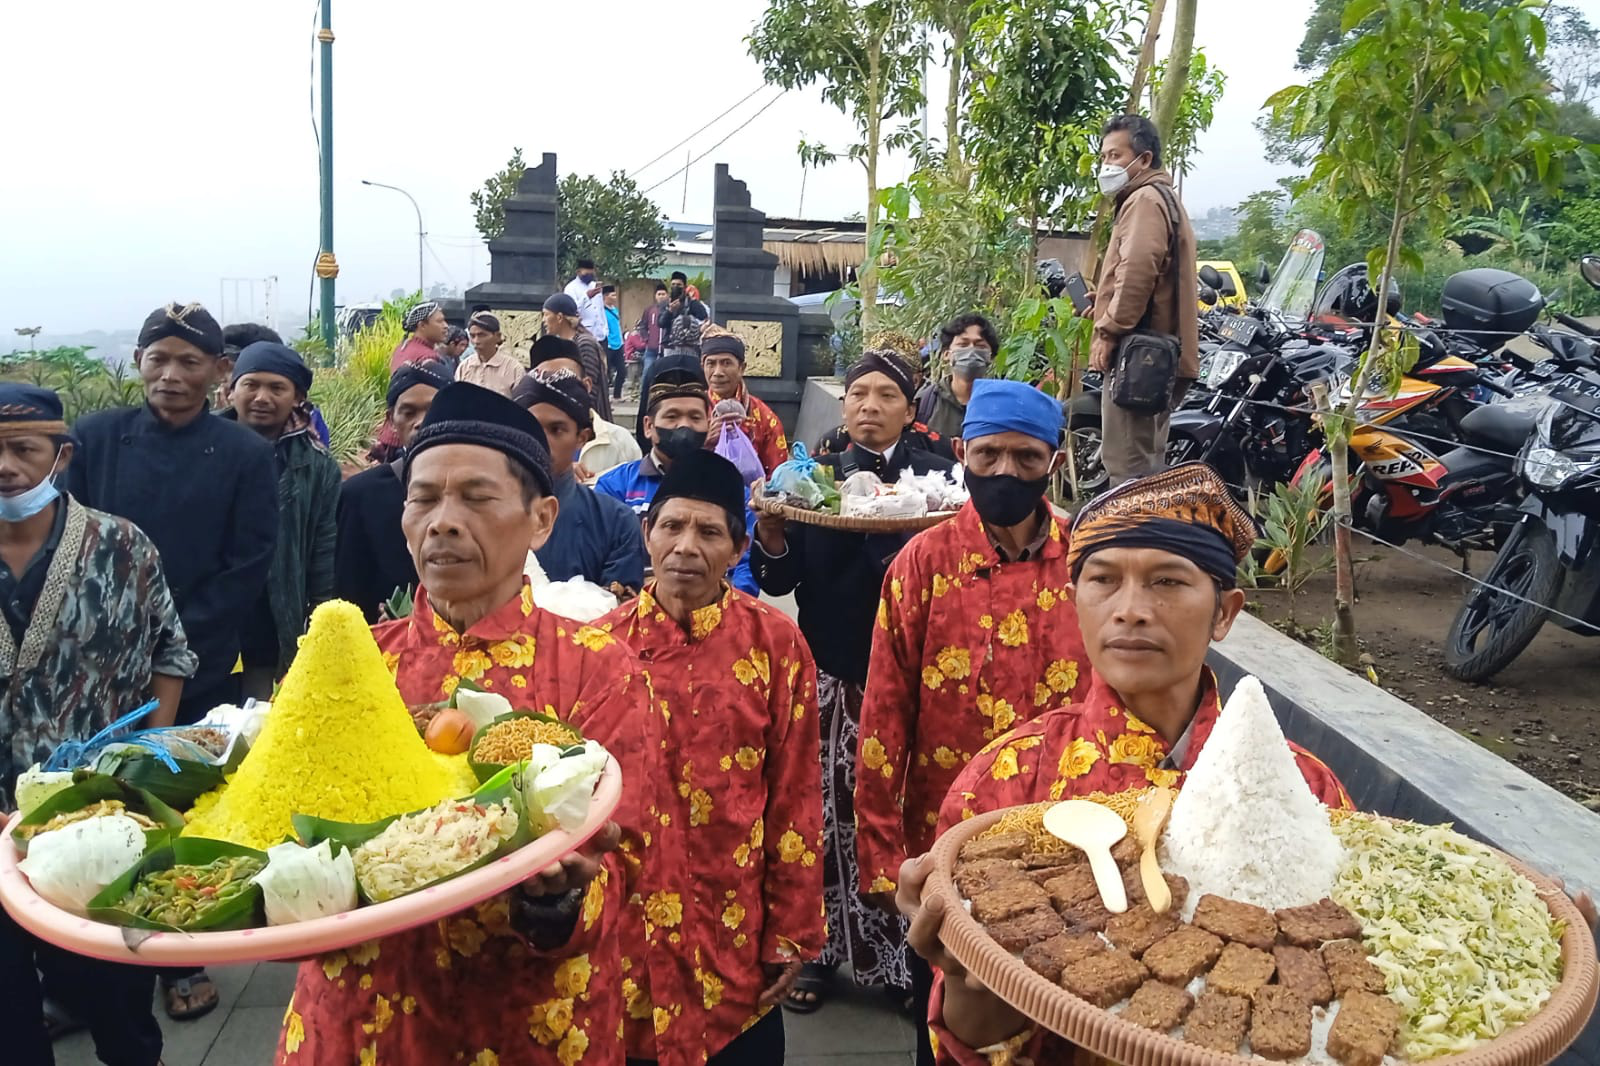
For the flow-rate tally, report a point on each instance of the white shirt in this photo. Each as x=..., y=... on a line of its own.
x=612, y=446
x=591, y=309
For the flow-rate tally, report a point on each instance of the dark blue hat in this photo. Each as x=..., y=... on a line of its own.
x=464, y=413
x=267, y=357
x=28, y=410
x=562, y=304
x=424, y=372
x=703, y=475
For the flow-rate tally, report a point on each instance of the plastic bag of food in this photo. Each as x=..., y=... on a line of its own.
x=792, y=482
x=733, y=444
x=558, y=793
x=939, y=492
x=887, y=505
x=861, y=483
x=70, y=866
x=304, y=883
x=575, y=598
x=35, y=785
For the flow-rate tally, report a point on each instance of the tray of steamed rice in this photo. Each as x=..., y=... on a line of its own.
x=1295, y=933
x=339, y=826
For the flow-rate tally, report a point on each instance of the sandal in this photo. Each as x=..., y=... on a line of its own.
x=812, y=983
x=192, y=990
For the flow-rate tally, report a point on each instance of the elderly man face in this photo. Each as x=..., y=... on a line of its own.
x=1011, y=452
x=410, y=408
x=692, y=544
x=471, y=516
x=178, y=377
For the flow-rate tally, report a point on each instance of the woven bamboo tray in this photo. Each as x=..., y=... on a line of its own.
x=851, y=524
x=1536, y=1041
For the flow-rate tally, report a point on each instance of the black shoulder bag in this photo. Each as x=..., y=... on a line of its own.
x=1146, y=365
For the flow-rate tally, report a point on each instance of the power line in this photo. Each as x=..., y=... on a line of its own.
x=719, y=144
x=697, y=132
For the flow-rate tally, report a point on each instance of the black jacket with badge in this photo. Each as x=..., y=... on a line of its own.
x=836, y=576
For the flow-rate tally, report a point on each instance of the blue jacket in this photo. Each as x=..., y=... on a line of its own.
x=613, y=328
x=635, y=484
x=596, y=538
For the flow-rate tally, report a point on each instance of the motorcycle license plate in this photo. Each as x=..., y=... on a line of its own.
x=1239, y=329
x=1580, y=393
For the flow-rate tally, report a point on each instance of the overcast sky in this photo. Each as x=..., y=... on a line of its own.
x=157, y=148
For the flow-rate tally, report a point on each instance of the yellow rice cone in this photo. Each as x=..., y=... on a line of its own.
x=338, y=743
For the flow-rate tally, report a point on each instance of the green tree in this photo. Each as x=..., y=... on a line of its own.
x=953, y=18
x=1433, y=101
x=1175, y=74
x=489, y=202
x=867, y=58
x=1180, y=131
x=1261, y=235
x=611, y=222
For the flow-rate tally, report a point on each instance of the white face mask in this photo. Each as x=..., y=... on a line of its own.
x=1112, y=177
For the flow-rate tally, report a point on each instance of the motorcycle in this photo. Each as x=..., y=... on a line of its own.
x=1549, y=565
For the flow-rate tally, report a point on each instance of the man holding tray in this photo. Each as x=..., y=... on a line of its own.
x=738, y=687
x=975, y=634
x=1152, y=569
x=538, y=974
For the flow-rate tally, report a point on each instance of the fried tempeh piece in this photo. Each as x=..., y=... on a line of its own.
x=1280, y=1024
x=1349, y=969
x=1240, y=971
x=1218, y=1022
x=1137, y=928
x=1254, y=927
x=1072, y=887
x=1104, y=979
x=1029, y=927
x=980, y=875
x=1183, y=955
x=1314, y=925
x=1364, y=1029
x=1003, y=846
x=1008, y=900
x=1049, y=958
x=1303, y=971
x=1158, y=1006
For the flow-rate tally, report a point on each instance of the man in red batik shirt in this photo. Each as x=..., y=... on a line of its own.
x=536, y=975
x=737, y=688
x=1152, y=568
x=722, y=360
x=975, y=635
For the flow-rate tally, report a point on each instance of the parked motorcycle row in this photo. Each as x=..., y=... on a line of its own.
x=1479, y=447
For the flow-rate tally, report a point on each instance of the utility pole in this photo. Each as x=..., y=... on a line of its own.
x=327, y=268
x=420, y=232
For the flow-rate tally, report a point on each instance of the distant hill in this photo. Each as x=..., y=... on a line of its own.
x=1217, y=224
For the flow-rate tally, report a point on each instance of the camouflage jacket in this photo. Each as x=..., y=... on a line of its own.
x=104, y=623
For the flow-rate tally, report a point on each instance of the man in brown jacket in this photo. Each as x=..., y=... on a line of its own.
x=1148, y=270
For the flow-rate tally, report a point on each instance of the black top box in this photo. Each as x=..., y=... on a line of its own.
x=1495, y=305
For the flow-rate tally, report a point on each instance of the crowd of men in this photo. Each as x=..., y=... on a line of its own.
x=784, y=780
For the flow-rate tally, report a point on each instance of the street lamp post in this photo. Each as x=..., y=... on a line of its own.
x=420, y=233
x=327, y=268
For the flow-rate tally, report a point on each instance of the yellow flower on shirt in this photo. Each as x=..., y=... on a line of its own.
x=954, y=662
x=572, y=976
x=486, y=1057
x=748, y=758
x=1014, y=629
x=791, y=846
x=592, y=638
x=664, y=909
x=1136, y=749
x=294, y=1029
x=1005, y=765
x=941, y=584
x=700, y=807
x=1135, y=725
x=733, y=915
x=932, y=678
x=710, y=987
x=896, y=589
x=470, y=664
x=1161, y=778
x=550, y=1020
x=1061, y=675
x=515, y=653
x=947, y=759
x=573, y=1046
x=1046, y=599
x=873, y=755
x=637, y=1002
x=883, y=617
x=1041, y=695
x=1078, y=758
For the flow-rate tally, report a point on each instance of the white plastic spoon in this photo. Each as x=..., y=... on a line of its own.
x=1093, y=829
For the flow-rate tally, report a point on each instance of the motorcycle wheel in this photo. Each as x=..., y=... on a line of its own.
x=1086, y=454
x=1491, y=629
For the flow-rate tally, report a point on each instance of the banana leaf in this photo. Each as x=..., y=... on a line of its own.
x=244, y=911
x=504, y=787
x=486, y=770
x=90, y=787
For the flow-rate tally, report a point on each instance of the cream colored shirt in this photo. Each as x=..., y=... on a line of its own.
x=500, y=373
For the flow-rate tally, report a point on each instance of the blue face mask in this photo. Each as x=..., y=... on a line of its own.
x=586, y=278
x=24, y=505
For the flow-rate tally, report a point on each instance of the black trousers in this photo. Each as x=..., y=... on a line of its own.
x=619, y=371
x=760, y=1045
x=111, y=999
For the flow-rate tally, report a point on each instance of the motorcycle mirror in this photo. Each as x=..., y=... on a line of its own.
x=1228, y=287
x=1208, y=295
x=1589, y=267
x=1210, y=277
x=1263, y=275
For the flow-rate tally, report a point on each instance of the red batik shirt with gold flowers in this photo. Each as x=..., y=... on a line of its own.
x=966, y=647
x=470, y=989
x=738, y=691
x=1093, y=746
x=761, y=426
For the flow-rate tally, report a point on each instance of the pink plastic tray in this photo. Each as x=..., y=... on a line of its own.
x=301, y=939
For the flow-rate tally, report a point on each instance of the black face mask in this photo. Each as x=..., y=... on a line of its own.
x=1005, y=499
x=679, y=441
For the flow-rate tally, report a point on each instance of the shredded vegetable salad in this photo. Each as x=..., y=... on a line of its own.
x=1465, y=945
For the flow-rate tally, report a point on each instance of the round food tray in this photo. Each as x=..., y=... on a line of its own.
x=298, y=939
x=847, y=523
x=1538, y=1040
